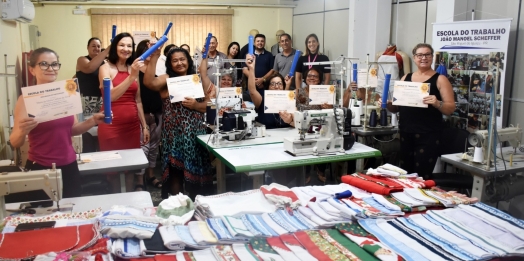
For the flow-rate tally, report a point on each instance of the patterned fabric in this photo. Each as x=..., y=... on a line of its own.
x=236, y=227
x=180, y=149
x=245, y=252
x=283, y=223
x=349, y=245
x=261, y=226
x=264, y=250
x=250, y=226
x=219, y=230
x=303, y=100
x=92, y=104
x=502, y=215
x=224, y=253
x=304, y=220
x=280, y=195
x=367, y=241
x=291, y=219
x=318, y=246
x=340, y=248
x=204, y=255
x=294, y=245
x=277, y=245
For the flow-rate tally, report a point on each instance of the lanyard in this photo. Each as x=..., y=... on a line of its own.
x=314, y=59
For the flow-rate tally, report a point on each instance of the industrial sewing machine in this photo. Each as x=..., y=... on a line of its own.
x=479, y=139
x=321, y=132
x=49, y=180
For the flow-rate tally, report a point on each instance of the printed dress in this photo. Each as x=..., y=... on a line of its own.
x=180, y=149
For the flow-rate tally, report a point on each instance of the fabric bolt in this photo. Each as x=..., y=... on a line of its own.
x=296, y=223
x=429, y=245
x=218, y=229
x=343, y=241
x=500, y=214
x=484, y=228
x=268, y=220
x=445, y=243
x=204, y=255
x=304, y=220
x=128, y=247
x=294, y=245
x=367, y=241
x=318, y=247
x=394, y=240
x=156, y=244
x=261, y=226
x=282, y=222
x=264, y=250
x=370, y=186
x=236, y=227
x=279, y=247
x=245, y=252
x=201, y=233
x=346, y=252
x=494, y=220
x=224, y=253
x=345, y=211
x=171, y=239
x=483, y=242
x=184, y=233
x=280, y=195
x=384, y=202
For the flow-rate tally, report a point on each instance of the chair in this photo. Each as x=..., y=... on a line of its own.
x=453, y=141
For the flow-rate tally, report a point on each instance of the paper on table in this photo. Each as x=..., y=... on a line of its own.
x=51, y=101
x=184, y=86
x=410, y=93
x=277, y=101
x=371, y=78
x=101, y=156
x=320, y=94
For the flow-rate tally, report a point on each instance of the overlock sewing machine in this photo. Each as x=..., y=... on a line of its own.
x=321, y=132
x=480, y=139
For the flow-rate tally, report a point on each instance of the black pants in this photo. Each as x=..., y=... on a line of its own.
x=419, y=152
x=70, y=183
x=192, y=189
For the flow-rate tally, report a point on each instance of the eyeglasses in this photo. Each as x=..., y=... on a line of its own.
x=314, y=76
x=422, y=55
x=44, y=66
x=278, y=84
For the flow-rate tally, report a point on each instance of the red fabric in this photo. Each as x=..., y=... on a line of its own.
x=275, y=191
x=21, y=245
x=277, y=242
x=165, y=258
x=290, y=239
x=392, y=50
x=370, y=186
x=310, y=246
x=124, y=132
x=100, y=246
x=429, y=183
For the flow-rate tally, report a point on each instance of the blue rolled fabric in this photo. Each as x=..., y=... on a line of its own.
x=113, y=34
x=355, y=72
x=250, y=45
x=169, y=25
x=206, y=46
x=108, y=118
x=294, y=64
x=153, y=48
x=345, y=194
x=385, y=92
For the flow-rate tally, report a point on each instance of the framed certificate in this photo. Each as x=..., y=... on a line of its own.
x=51, y=101
x=410, y=93
x=320, y=94
x=277, y=101
x=184, y=86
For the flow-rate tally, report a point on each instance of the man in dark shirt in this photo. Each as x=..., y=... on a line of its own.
x=264, y=62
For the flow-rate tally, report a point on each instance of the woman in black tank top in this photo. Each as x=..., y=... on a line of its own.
x=87, y=74
x=421, y=128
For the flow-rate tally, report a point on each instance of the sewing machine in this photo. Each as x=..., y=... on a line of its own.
x=331, y=132
x=240, y=124
x=49, y=180
x=479, y=139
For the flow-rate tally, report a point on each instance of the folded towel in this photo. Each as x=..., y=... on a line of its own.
x=128, y=248
x=236, y=227
x=171, y=238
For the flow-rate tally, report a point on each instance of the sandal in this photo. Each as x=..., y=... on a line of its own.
x=140, y=188
x=155, y=182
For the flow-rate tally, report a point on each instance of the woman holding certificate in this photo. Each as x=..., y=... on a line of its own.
x=126, y=103
x=50, y=142
x=184, y=160
x=421, y=128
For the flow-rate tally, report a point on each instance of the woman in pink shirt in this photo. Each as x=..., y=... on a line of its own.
x=50, y=142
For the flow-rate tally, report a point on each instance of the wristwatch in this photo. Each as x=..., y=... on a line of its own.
x=440, y=106
x=263, y=79
x=146, y=127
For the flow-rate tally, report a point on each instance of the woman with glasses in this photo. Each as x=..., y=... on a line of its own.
x=126, y=103
x=312, y=55
x=185, y=162
x=50, y=142
x=420, y=128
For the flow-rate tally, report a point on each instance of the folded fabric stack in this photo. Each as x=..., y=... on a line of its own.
x=388, y=170
x=120, y=226
x=449, y=198
x=128, y=248
x=175, y=210
x=232, y=204
x=281, y=196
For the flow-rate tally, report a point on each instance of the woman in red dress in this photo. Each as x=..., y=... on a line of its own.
x=126, y=104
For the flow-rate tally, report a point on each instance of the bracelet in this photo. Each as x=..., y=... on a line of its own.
x=263, y=79
x=440, y=106
x=146, y=128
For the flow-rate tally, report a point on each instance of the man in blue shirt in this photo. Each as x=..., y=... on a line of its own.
x=264, y=62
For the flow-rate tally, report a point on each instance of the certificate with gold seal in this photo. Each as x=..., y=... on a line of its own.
x=320, y=94
x=277, y=101
x=230, y=92
x=181, y=87
x=367, y=78
x=410, y=93
x=51, y=101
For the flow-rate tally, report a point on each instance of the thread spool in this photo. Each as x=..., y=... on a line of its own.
x=383, y=117
x=356, y=119
x=394, y=121
x=373, y=118
x=478, y=156
x=360, y=104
